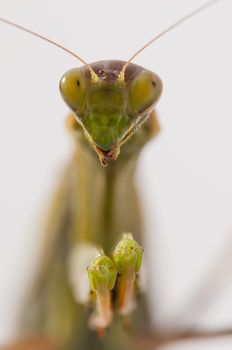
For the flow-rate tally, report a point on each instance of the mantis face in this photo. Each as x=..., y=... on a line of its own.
x=110, y=108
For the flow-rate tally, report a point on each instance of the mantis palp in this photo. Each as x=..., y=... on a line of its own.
x=104, y=158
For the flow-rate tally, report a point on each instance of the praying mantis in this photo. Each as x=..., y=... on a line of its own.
x=107, y=170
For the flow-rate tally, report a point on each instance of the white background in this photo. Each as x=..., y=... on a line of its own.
x=184, y=176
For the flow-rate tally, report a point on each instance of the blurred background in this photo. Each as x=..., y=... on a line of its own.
x=184, y=176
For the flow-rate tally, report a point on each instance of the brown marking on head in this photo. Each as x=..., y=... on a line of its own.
x=108, y=71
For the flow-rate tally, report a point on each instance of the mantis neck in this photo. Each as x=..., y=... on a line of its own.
x=104, y=199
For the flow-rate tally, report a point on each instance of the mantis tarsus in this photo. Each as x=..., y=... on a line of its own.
x=83, y=221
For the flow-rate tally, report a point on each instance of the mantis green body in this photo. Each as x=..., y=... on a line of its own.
x=96, y=205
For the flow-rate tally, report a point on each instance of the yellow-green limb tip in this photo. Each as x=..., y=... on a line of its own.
x=102, y=276
x=128, y=255
x=128, y=258
x=102, y=273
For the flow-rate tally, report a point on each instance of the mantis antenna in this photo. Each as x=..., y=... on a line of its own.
x=13, y=24
x=94, y=76
x=165, y=31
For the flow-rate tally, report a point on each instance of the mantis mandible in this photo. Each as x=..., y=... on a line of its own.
x=101, y=93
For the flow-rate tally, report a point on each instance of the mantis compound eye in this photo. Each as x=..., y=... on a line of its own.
x=72, y=88
x=144, y=91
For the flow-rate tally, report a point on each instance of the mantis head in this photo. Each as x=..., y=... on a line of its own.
x=111, y=98
x=108, y=105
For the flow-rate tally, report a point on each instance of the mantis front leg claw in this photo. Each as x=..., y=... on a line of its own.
x=102, y=276
x=128, y=258
x=120, y=273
